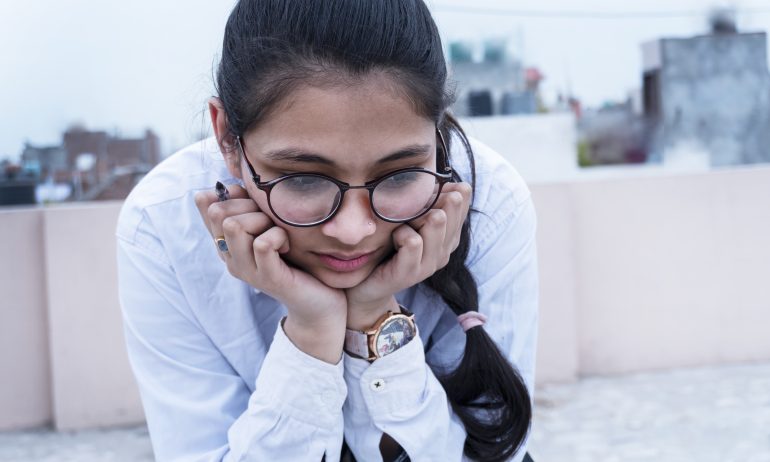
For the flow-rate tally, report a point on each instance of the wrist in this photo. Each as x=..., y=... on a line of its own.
x=362, y=316
x=322, y=342
x=390, y=332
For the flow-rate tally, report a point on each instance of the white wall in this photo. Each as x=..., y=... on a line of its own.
x=543, y=147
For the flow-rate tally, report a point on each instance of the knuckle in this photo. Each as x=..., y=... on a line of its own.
x=261, y=246
x=400, y=234
x=231, y=226
x=465, y=189
x=216, y=212
x=201, y=199
x=413, y=242
x=438, y=217
x=455, y=198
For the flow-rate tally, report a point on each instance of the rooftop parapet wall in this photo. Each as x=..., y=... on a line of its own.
x=640, y=273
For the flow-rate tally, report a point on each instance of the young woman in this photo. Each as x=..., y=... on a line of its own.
x=333, y=297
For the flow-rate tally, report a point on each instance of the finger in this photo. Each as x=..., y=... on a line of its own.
x=405, y=264
x=204, y=199
x=218, y=212
x=456, y=203
x=451, y=202
x=456, y=193
x=434, y=248
x=266, y=249
x=239, y=232
x=450, y=190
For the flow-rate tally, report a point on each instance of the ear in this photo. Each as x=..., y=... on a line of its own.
x=230, y=151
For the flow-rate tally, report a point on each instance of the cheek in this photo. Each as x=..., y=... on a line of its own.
x=301, y=242
x=260, y=198
x=384, y=237
x=296, y=235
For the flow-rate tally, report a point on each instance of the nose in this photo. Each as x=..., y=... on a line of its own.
x=354, y=221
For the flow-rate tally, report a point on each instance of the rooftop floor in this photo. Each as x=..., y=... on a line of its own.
x=704, y=414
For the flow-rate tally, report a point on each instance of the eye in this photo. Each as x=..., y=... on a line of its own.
x=401, y=180
x=305, y=183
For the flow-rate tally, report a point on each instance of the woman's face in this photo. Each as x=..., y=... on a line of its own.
x=347, y=133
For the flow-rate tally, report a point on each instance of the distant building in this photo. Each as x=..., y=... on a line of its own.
x=711, y=89
x=93, y=165
x=614, y=134
x=45, y=161
x=17, y=187
x=493, y=85
x=110, y=152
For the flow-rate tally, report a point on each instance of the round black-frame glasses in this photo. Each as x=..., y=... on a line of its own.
x=267, y=186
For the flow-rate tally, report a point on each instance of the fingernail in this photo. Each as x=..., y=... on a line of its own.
x=222, y=193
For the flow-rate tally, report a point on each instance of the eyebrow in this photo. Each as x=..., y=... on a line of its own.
x=294, y=155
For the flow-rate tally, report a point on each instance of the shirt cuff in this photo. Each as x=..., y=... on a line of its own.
x=392, y=383
x=304, y=387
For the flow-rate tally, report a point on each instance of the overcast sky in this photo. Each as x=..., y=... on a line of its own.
x=126, y=66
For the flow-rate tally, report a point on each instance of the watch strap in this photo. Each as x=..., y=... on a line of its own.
x=361, y=344
x=357, y=343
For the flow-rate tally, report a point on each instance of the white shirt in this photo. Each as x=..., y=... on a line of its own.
x=219, y=379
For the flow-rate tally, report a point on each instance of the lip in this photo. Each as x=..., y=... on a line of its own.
x=345, y=263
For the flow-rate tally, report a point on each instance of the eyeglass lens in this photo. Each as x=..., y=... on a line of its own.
x=306, y=199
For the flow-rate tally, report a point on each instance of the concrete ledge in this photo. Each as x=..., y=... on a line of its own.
x=92, y=381
x=637, y=274
x=25, y=386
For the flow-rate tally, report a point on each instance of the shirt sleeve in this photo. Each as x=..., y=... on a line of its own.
x=197, y=407
x=400, y=395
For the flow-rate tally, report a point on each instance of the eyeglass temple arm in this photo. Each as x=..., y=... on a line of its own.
x=254, y=175
x=447, y=168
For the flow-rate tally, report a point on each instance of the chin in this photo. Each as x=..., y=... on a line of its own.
x=338, y=280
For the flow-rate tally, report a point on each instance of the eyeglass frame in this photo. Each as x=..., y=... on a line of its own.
x=344, y=187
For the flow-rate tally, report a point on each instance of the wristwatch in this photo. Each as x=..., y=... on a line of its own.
x=389, y=333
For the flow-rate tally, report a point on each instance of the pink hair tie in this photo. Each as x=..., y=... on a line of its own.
x=471, y=319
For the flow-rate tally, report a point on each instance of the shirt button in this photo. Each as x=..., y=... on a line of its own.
x=377, y=385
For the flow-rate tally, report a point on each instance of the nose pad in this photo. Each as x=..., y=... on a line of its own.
x=355, y=219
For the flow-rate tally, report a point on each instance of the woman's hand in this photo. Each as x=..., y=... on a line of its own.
x=423, y=246
x=317, y=313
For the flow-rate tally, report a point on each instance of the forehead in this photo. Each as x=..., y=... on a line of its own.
x=352, y=125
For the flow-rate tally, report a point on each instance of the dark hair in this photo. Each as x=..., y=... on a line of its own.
x=272, y=46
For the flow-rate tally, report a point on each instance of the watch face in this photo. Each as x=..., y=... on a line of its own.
x=396, y=333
